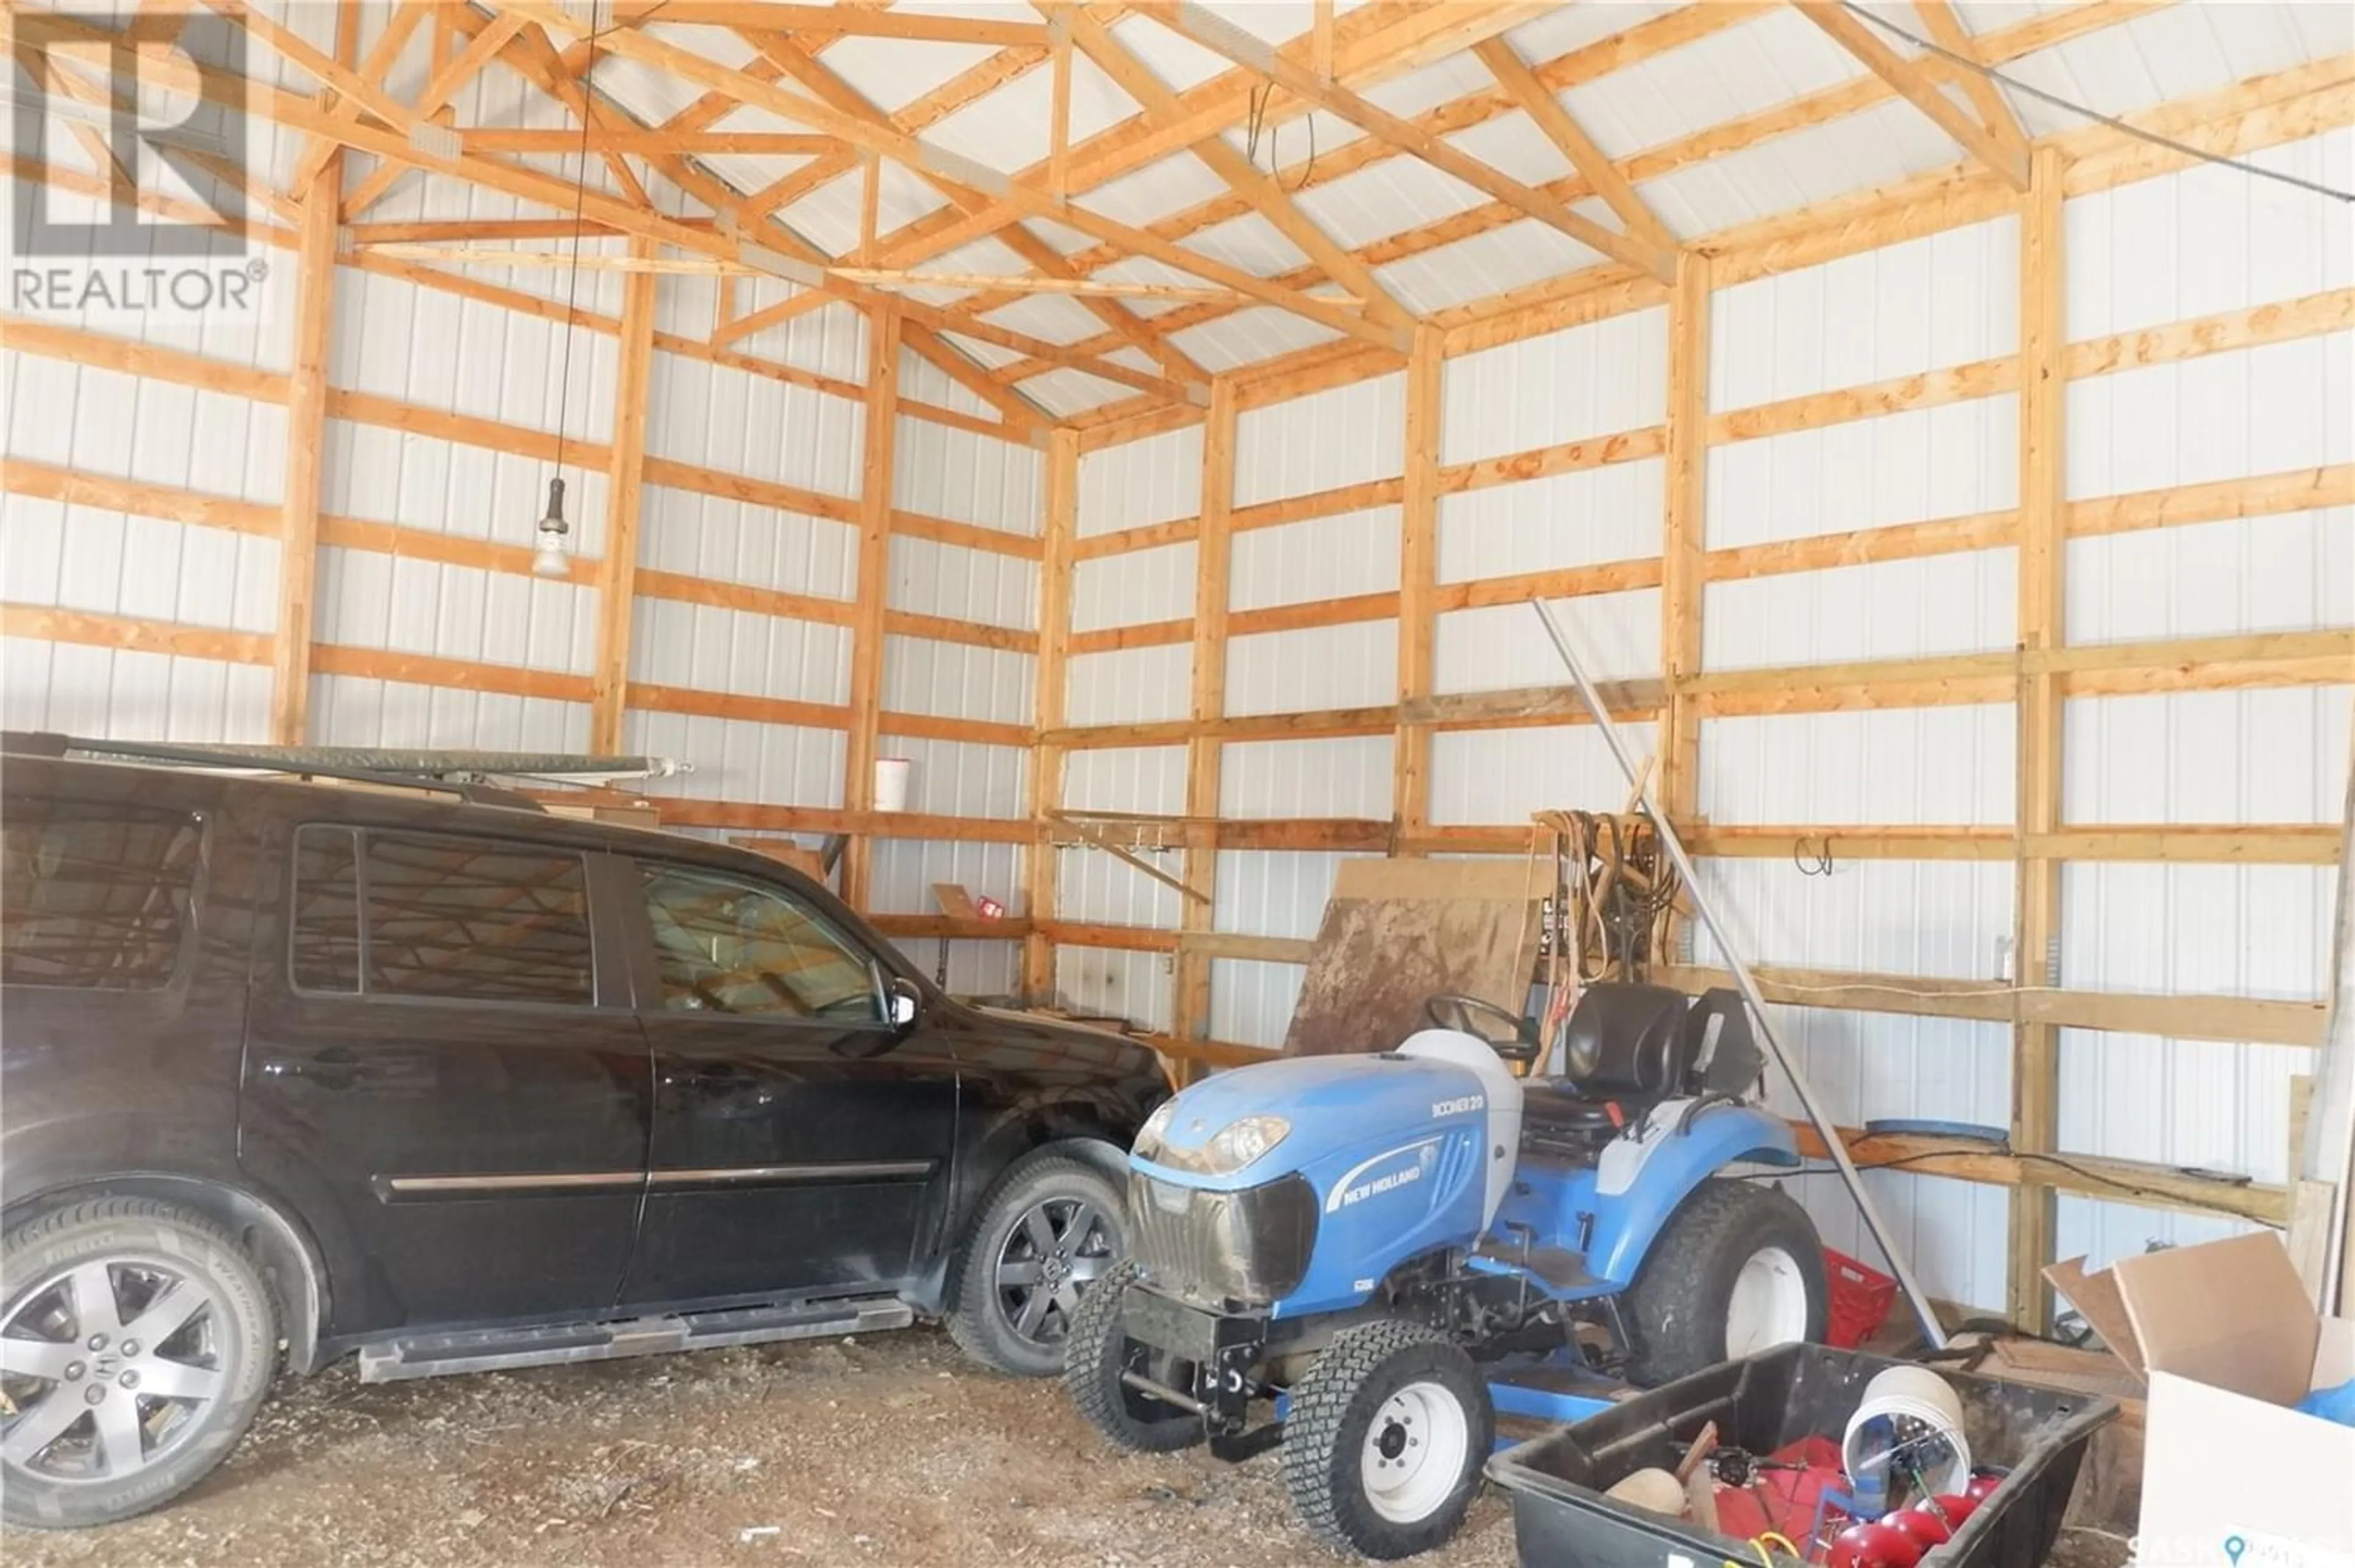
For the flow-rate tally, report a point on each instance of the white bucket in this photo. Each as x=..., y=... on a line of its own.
x=891, y=777
x=1906, y=1395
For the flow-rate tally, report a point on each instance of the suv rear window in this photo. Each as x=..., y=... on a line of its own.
x=94, y=895
x=412, y=914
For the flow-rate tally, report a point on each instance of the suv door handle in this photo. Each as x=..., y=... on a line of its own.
x=332, y=1069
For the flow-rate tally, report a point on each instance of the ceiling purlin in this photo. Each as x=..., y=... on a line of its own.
x=1371, y=44
x=813, y=73
x=1570, y=138
x=1919, y=89
x=954, y=168
x=1860, y=92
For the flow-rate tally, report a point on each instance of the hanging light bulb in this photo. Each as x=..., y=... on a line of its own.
x=549, y=559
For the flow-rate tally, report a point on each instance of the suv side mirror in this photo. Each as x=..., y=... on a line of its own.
x=904, y=1002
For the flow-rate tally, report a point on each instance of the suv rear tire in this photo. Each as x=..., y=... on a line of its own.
x=154, y=1335
x=1053, y=1225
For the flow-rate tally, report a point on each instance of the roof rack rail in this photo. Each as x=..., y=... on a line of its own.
x=454, y=773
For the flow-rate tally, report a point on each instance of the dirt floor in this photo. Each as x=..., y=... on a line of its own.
x=889, y=1452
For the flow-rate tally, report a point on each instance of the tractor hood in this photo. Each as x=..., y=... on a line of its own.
x=1333, y=1104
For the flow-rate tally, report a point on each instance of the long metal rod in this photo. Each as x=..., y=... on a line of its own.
x=1924, y=1313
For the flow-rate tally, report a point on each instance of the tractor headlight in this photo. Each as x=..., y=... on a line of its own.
x=1239, y=1143
x=1149, y=1137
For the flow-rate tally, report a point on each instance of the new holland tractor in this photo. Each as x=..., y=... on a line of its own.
x=1366, y=1258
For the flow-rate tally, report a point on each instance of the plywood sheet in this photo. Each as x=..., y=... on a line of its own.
x=1396, y=931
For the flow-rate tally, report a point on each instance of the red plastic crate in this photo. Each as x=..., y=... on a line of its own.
x=1861, y=1301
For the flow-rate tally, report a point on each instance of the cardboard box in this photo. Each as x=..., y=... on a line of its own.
x=2232, y=1477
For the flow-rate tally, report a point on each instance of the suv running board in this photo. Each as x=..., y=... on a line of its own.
x=495, y=1350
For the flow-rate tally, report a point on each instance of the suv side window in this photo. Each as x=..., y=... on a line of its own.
x=94, y=894
x=727, y=947
x=416, y=914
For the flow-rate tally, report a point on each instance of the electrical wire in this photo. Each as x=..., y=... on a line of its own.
x=1957, y=57
x=579, y=200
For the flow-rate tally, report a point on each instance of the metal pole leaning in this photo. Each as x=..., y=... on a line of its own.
x=1924, y=1313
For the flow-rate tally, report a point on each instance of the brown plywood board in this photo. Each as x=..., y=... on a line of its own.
x=1397, y=932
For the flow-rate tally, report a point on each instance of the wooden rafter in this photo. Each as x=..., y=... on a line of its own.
x=1266, y=198
x=1222, y=37
x=1909, y=80
x=794, y=60
x=1946, y=30
x=1562, y=129
x=646, y=142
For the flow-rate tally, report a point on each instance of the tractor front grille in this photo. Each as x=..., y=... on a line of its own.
x=1221, y=1250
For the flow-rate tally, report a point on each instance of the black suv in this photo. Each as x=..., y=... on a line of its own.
x=458, y=1084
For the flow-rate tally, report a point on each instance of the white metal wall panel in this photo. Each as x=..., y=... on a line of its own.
x=101, y=421
x=2207, y=240
x=1322, y=442
x=943, y=472
x=1129, y=686
x=2200, y=930
x=1252, y=1003
x=1137, y=987
x=963, y=778
x=906, y=869
x=1951, y=460
x=371, y=601
x=2293, y=573
x=384, y=475
x=127, y=696
x=1351, y=665
x=1596, y=380
x=831, y=340
x=1140, y=483
x=722, y=540
x=779, y=764
x=442, y=351
x=1963, y=603
x=1267, y=892
x=1946, y=918
x=1133, y=588
x=922, y=381
x=953, y=680
x=2104, y=1233
x=1579, y=518
x=1942, y=300
x=1883, y=765
x=737, y=422
x=1496, y=646
x=710, y=648
x=1346, y=776
x=1497, y=778
x=118, y=564
x=929, y=578
x=348, y=710
x=1150, y=780
x=2222, y=416
x=1321, y=557
x=2207, y=1105
x=2277, y=755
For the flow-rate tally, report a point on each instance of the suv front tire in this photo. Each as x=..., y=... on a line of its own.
x=1054, y=1224
x=136, y=1341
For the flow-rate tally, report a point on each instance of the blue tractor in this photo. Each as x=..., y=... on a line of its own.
x=1365, y=1258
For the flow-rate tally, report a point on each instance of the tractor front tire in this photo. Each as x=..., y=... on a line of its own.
x=1737, y=1269
x=1095, y=1355
x=1385, y=1440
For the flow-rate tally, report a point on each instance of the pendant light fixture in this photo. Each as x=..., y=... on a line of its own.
x=549, y=558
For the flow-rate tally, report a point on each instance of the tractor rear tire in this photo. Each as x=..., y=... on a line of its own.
x=1385, y=1440
x=1095, y=1355
x=1737, y=1269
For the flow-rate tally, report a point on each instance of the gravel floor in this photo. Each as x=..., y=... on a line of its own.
x=888, y=1451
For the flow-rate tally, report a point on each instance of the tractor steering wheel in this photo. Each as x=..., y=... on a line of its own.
x=1455, y=1010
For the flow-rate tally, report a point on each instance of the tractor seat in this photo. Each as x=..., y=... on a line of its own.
x=1642, y=1051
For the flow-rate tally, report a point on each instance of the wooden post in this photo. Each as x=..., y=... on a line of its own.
x=874, y=589
x=307, y=435
x=1054, y=651
x=617, y=568
x=1683, y=536
x=1058, y=109
x=1418, y=584
x=2043, y=395
x=1213, y=547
